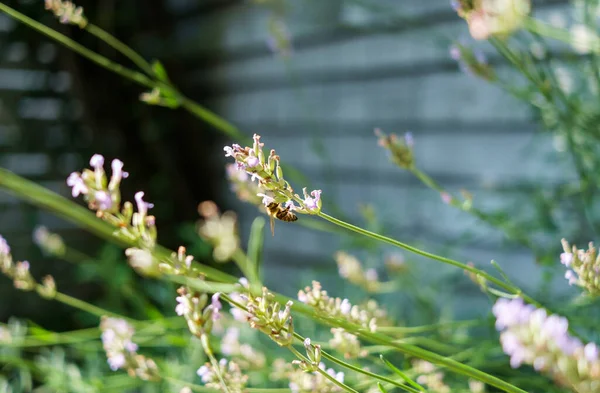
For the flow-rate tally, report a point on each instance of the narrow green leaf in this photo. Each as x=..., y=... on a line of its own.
x=380, y=386
x=160, y=71
x=401, y=374
x=255, y=244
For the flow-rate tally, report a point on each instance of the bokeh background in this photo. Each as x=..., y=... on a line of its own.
x=314, y=78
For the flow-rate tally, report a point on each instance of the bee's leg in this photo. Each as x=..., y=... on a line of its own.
x=272, y=225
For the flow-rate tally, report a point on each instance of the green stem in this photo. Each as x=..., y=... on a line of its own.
x=509, y=231
x=339, y=384
x=121, y=47
x=70, y=211
x=213, y=361
x=428, y=328
x=247, y=267
x=44, y=198
x=85, y=306
x=78, y=48
x=429, y=255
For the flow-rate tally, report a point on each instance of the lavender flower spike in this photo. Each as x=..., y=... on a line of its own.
x=530, y=336
x=267, y=170
x=584, y=267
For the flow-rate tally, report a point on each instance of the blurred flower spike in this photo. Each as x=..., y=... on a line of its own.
x=220, y=230
x=121, y=351
x=104, y=197
x=265, y=314
x=472, y=62
x=50, y=243
x=67, y=12
x=231, y=373
x=21, y=276
x=530, y=336
x=269, y=175
x=487, y=18
x=400, y=150
x=584, y=267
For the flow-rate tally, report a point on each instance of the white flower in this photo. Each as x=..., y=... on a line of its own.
x=583, y=39
x=183, y=305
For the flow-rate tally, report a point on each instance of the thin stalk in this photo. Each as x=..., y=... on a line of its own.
x=213, y=360
x=87, y=307
x=44, y=198
x=121, y=47
x=510, y=232
x=444, y=361
x=428, y=328
x=82, y=217
x=78, y=48
x=247, y=267
x=448, y=261
x=339, y=384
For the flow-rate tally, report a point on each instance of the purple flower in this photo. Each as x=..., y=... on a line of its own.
x=252, y=161
x=4, y=247
x=183, y=305
x=571, y=276
x=97, y=161
x=455, y=4
x=266, y=198
x=217, y=306
x=566, y=258
x=511, y=312
x=345, y=307
x=480, y=56
x=117, y=174
x=591, y=352
x=104, y=200
x=455, y=52
x=312, y=202
x=231, y=150
x=130, y=346
x=141, y=205
x=76, y=182
x=408, y=139
x=116, y=361
x=446, y=198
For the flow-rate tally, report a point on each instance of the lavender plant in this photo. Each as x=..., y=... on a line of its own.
x=197, y=348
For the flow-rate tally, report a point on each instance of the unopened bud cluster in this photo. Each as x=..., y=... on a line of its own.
x=472, y=62
x=430, y=376
x=121, y=351
x=243, y=354
x=198, y=313
x=368, y=317
x=400, y=150
x=350, y=268
x=21, y=276
x=301, y=381
x=229, y=371
x=50, y=243
x=220, y=230
x=584, y=267
x=264, y=313
x=244, y=189
x=313, y=353
x=347, y=344
x=67, y=12
x=268, y=172
x=488, y=18
x=530, y=336
x=104, y=197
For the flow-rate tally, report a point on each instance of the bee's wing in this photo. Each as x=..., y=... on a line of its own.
x=272, y=225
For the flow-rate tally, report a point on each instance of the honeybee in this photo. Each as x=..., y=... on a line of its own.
x=276, y=210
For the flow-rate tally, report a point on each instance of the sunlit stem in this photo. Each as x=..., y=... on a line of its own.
x=323, y=372
x=213, y=360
